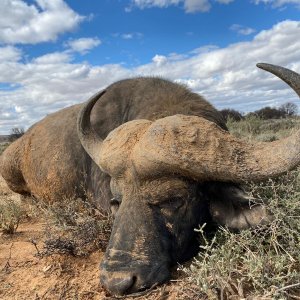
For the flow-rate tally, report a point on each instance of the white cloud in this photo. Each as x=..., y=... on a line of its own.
x=9, y=54
x=225, y=1
x=132, y=35
x=53, y=58
x=193, y=6
x=158, y=3
x=40, y=22
x=83, y=45
x=190, y=6
x=159, y=60
x=127, y=36
x=243, y=30
x=227, y=77
x=278, y=3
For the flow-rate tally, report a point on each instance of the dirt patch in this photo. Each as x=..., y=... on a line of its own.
x=24, y=274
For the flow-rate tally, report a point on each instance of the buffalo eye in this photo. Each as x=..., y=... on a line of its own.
x=114, y=205
x=170, y=204
x=173, y=203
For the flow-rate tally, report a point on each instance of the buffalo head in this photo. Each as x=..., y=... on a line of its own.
x=159, y=173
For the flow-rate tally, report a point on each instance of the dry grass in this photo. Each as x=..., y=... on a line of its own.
x=253, y=128
x=12, y=211
x=74, y=226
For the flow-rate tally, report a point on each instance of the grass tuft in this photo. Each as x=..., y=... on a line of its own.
x=11, y=213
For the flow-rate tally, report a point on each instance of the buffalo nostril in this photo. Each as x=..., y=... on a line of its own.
x=119, y=285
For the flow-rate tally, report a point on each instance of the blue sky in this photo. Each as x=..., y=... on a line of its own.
x=56, y=53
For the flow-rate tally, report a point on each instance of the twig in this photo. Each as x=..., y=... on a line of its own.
x=193, y=291
x=7, y=265
x=291, y=295
x=161, y=293
x=32, y=241
x=65, y=289
x=288, y=287
x=176, y=280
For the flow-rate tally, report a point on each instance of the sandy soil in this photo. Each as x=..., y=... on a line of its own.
x=24, y=274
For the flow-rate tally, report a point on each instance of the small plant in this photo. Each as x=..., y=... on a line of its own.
x=11, y=214
x=76, y=227
x=3, y=146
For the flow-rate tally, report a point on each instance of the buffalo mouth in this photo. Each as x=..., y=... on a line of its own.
x=123, y=278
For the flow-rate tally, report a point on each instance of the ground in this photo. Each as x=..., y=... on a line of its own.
x=25, y=275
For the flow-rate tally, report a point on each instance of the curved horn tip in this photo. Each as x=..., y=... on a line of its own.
x=263, y=65
x=290, y=77
x=83, y=123
x=270, y=67
x=89, y=138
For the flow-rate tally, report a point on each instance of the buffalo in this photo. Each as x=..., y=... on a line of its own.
x=161, y=159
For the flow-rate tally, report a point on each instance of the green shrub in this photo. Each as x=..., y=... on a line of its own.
x=3, y=147
x=11, y=214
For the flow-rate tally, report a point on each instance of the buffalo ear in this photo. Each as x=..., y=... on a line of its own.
x=230, y=206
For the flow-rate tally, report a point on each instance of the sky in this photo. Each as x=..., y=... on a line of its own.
x=56, y=53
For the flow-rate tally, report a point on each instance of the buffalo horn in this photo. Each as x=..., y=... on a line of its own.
x=199, y=149
x=290, y=77
x=89, y=138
